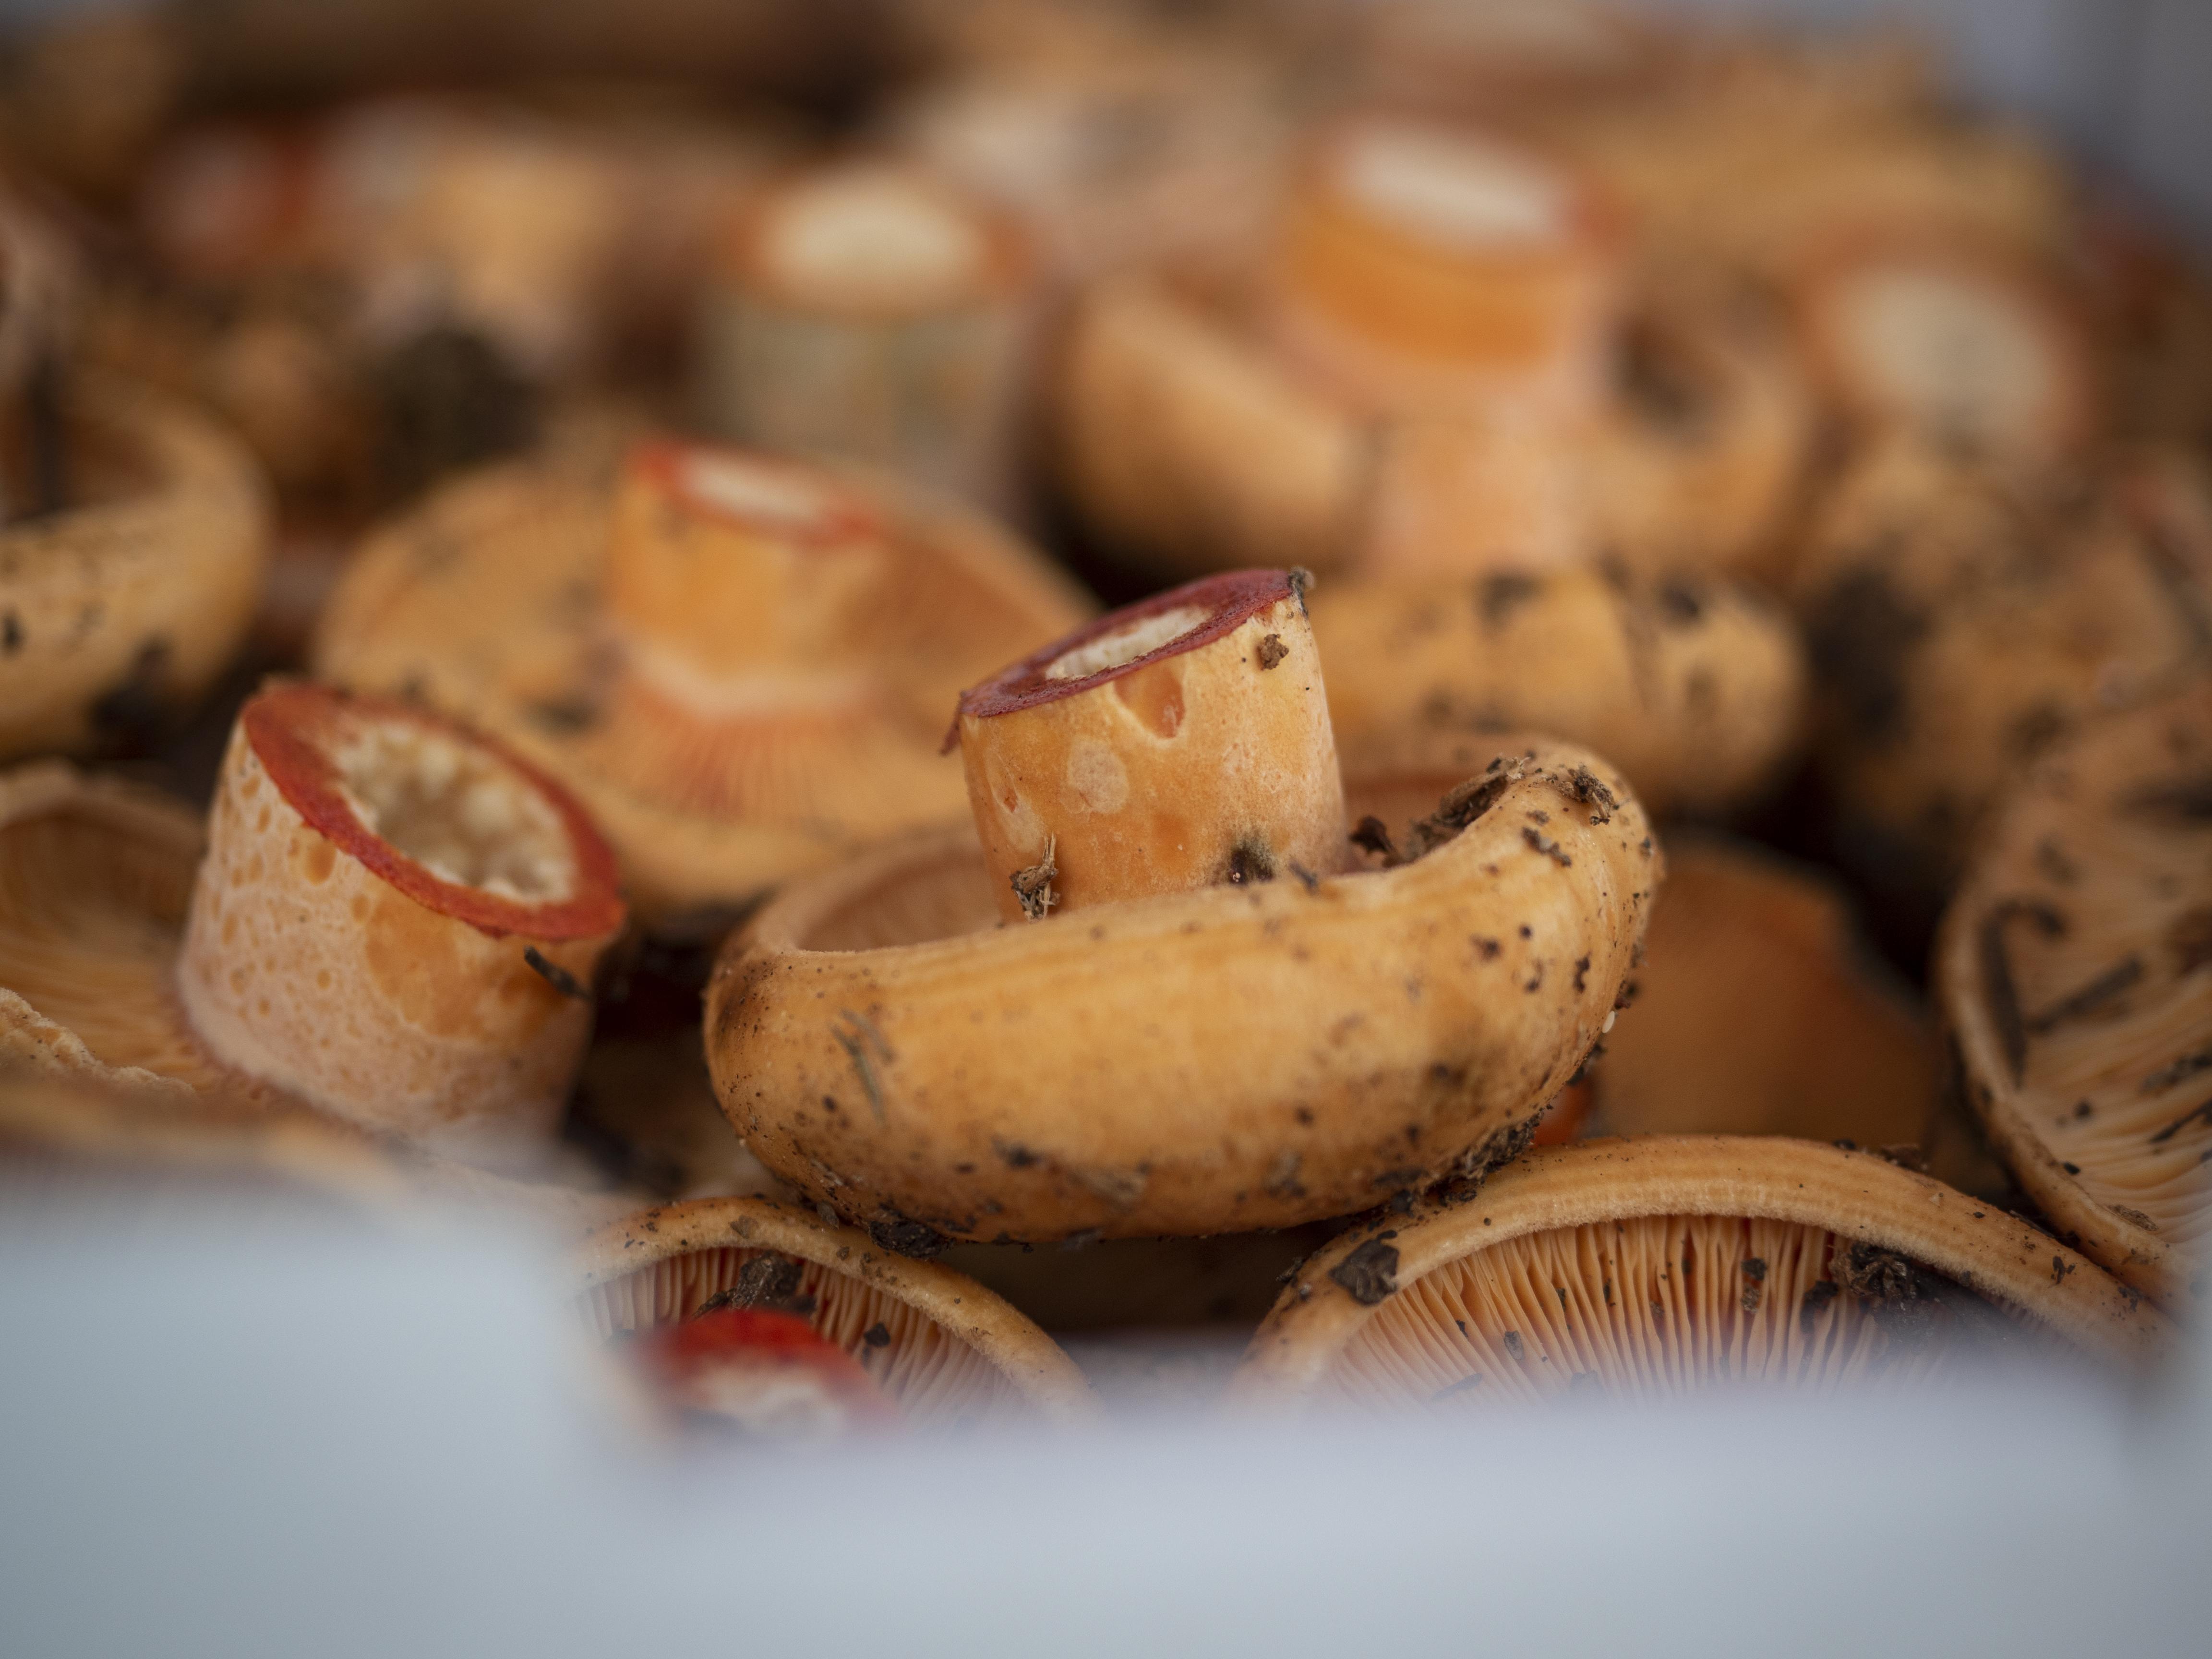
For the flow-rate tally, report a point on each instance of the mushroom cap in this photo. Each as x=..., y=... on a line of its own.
x=2075, y=971
x=1233, y=1058
x=1701, y=454
x=1950, y=336
x=945, y=1349
x=1961, y=614
x=1693, y=688
x=489, y=601
x=1677, y=1262
x=133, y=597
x=96, y=878
x=1759, y=1011
x=1188, y=442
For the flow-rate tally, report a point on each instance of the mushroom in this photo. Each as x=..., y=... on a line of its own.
x=1961, y=615
x=397, y=921
x=945, y=1350
x=1951, y=338
x=1665, y=1264
x=95, y=880
x=1757, y=1009
x=1693, y=688
x=1182, y=741
x=740, y=663
x=459, y=902
x=2075, y=971
x=124, y=598
x=885, y=1049
x=1184, y=439
x=1697, y=461
x=1428, y=268
x=872, y=311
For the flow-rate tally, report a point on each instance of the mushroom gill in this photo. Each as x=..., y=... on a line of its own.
x=947, y=1351
x=95, y=877
x=2075, y=970
x=1664, y=1265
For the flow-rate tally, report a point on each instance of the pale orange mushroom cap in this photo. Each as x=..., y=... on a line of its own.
x=740, y=662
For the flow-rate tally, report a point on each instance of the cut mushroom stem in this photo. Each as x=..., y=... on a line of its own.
x=762, y=1374
x=1665, y=1264
x=722, y=563
x=1177, y=743
x=396, y=920
x=1427, y=266
x=870, y=311
x=945, y=1351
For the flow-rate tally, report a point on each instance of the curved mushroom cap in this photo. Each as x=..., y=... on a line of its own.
x=397, y=921
x=1426, y=265
x=1958, y=342
x=1961, y=615
x=2074, y=968
x=1190, y=446
x=947, y=1351
x=1757, y=1011
x=490, y=601
x=1693, y=688
x=1665, y=1264
x=1237, y=1057
x=133, y=597
x=96, y=878
x=1701, y=454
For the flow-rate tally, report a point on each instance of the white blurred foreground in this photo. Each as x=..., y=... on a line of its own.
x=276, y=1434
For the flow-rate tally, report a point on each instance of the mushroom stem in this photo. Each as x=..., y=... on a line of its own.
x=870, y=311
x=1431, y=269
x=1179, y=742
x=395, y=920
x=722, y=563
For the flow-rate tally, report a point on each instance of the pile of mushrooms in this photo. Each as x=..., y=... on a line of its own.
x=1597, y=534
